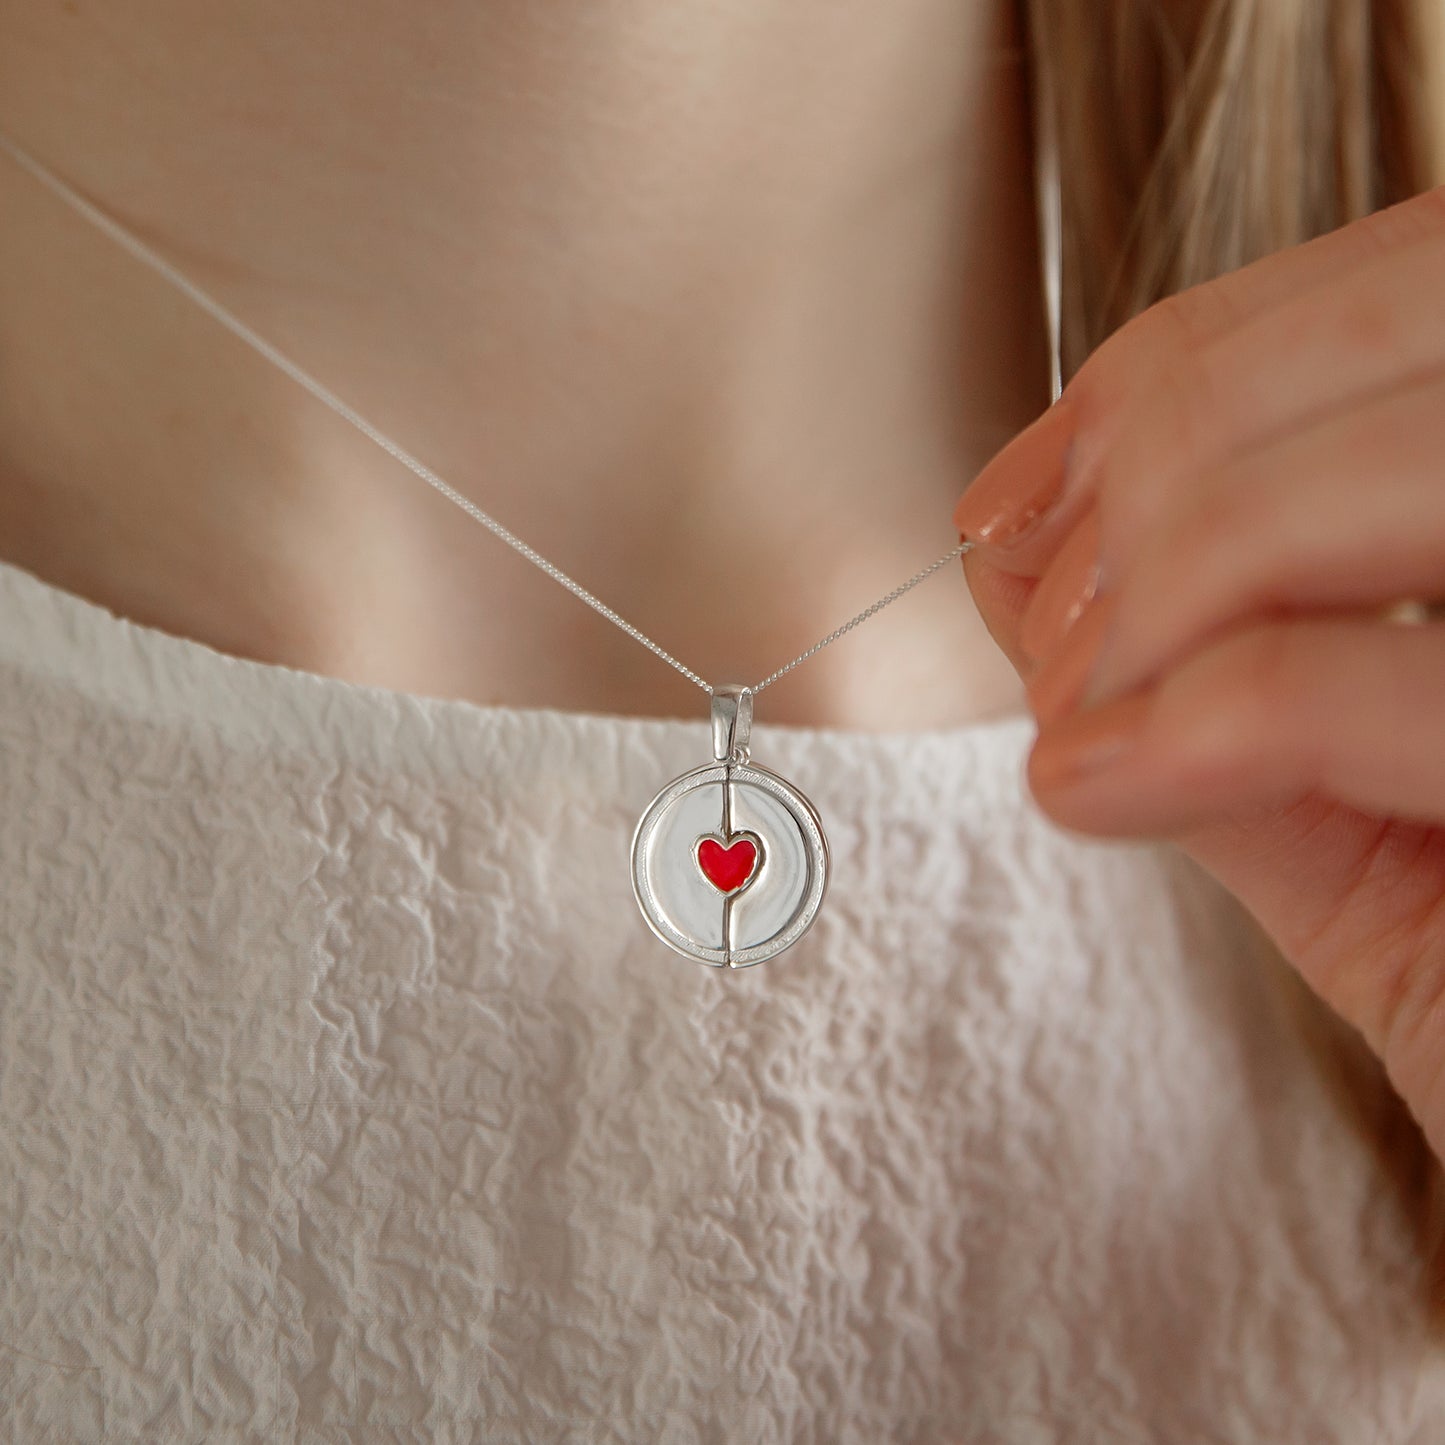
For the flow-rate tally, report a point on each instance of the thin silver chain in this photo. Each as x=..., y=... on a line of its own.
x=143, y=253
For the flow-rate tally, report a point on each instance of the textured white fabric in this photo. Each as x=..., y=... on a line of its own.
x=344, y=1096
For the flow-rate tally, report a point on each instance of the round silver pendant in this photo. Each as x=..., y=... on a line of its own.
x=729, y=861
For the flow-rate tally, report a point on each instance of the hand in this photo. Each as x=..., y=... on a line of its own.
x=1190, y=559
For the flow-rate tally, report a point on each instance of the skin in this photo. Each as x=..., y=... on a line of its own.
x=497, y=234
x=1227, y=501
x=718, y=313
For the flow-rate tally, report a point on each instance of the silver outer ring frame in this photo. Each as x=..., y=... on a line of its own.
x=814, y=839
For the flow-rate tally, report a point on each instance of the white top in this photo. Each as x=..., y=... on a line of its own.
x=346, y=1096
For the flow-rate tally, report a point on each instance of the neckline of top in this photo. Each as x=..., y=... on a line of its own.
x=143, y=672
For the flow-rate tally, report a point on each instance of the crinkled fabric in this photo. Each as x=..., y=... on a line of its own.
x=344, y=1096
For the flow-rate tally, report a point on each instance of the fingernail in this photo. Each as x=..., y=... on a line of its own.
x=1058, y=685
x=1067, y=588
x=1089, y=745
x=1013, y=493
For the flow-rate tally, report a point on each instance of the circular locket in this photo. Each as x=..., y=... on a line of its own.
x=729, y=861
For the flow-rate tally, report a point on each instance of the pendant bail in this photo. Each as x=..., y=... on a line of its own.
x=732, y=722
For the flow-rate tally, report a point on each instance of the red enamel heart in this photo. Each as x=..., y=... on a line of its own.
x=727, y=868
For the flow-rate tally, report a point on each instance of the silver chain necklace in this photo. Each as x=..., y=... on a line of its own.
x=729, y=861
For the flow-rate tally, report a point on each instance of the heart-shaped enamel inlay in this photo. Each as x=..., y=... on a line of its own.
x=729, y=867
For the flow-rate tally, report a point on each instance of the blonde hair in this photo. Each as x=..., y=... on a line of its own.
x=1197, y=135
x=1194, y=136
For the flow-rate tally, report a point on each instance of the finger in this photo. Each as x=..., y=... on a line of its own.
x=1349, y=513
x=1001, y=599
x=1374, y=330
x=1027, y=499
x=1306, y=868
x=1057, y=682
x=1347, y=708
x=1300, y=764
x=1357, y=903
x=1020, y=500
x=1064, y=590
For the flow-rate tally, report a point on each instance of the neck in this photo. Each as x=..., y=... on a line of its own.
x=703, y=303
